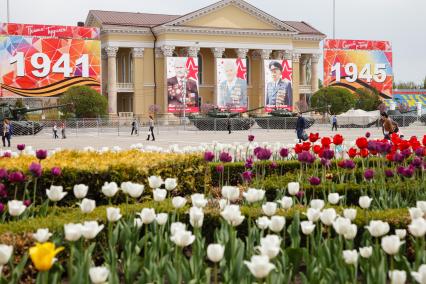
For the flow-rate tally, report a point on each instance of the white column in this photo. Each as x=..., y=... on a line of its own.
x=419, y=108
x=265, y=54
x=193, y=51
x=111, y=52
x=314, y=72
x=303, y=60
x=242, y=52
x=167, y=52
x=217, y=53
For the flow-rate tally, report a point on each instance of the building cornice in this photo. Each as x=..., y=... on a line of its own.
x=127, y=30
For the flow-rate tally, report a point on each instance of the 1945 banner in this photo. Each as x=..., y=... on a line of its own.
x=182, y=84
x=278, y=85
x=354, y=64
x=232, y=84
x=47, y=65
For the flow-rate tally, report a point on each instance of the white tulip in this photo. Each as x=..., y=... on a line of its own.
x=178, y=202
x=196, y=217
x=418, y=227
x=378, y=228
x=73, y=232
x=341, y=225
x=159, y=194
x=232, y=215
x=391, y=244
x=421, y=205
x=365, y=202
x=222, y=203
x=334, y=198
x=135, y=190
x=15, y=207
x=293, y=188
x=351, y=232
x=155, y=182
x=254, y=195
x=137, y=222
x=80, y=191
x=350, y=213
x=90, y=229
x=99, y=274
x=350, y=256
x=327, y=216
x=366, y=252
x=397, y=276
x=270, y=246
x=198, y=200
x=5, y=254
x=276, y=224
x=401, y=233
x=109, y=189
x=215, y=252
x=420, y=275
x=307, y=227
x=313, y=214
x=182, y=238
x=87, y=205
x=415, y=213
x=263, y=222
x=231, y=193
x=113, y=214
x=161, y=218
x=317, y=204
x=269, y=208
x=177, y=226
x=55, y=193
x=259, y=266
x=42, y=235
x=286, y=202
x=170, y=183
x=147, y=215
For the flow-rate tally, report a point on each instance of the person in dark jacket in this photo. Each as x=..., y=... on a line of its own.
x=134, y=127
x=300, y=126
x=151, y=128
x=6, y=133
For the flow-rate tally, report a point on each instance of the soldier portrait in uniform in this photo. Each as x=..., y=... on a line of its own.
x=278, y=90
x=232, y=89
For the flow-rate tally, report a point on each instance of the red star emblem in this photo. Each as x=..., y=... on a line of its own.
x=192, y=68
x=241, y=69
x=287, y=70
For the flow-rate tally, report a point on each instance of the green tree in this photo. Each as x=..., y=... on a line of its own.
x=367, y=99
x=339, y=99
x=86, y=102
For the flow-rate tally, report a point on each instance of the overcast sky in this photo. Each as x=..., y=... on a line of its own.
x=402, y=22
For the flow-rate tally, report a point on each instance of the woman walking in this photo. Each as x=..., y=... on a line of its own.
x=151, y=128
x=6, y=133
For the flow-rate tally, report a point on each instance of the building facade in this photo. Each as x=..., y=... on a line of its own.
x=135, y=47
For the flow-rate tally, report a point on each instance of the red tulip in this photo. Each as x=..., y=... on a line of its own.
x=389, y=157
x=298, y=148
x=326, y=141
x=317, y=149
x=361, y=142
x=424, y=140
x=313, y=137
x=352, y=152
x=337, y=139
x=306, y=146
x=363, y=152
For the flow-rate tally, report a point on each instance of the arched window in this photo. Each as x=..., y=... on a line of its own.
x=200, y=69
x=248, y=70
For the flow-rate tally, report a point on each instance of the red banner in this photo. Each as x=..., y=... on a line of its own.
x=357, y=44
x=50, y=31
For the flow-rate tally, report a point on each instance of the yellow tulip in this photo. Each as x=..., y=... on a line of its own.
x=43, y=255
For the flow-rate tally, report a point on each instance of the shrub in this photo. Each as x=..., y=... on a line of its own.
x=339, y=99
x=87, y=102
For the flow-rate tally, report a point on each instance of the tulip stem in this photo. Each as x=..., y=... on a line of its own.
x=215, y=273
x=16, y=189
x=34, y=192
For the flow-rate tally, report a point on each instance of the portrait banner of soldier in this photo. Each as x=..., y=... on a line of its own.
x=232, y=84
x=278, y=85
x=182, y=84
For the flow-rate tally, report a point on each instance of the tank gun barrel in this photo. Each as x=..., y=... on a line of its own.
x=26, y=110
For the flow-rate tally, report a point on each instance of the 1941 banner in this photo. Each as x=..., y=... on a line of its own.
x=354, y=64
x=48, y=64
x=232, y=84
x=278, y=85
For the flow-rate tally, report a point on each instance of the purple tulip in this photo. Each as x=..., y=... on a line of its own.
x=251, y=138
x=263, y=154
x=27, y=202
x=20, y=147
x=220, y=168
x=406, y=152
x=398, y=157
x=225, y=157
x=349, y=164
x=325, y=162
x=419, y=152
x=256, y=150
x=35, y=169
x=1, y=207
x=300, y=194
x=400, y=170
x=7, y=154
x=372, y=145
x=284, y=152
x=41, y=154
x=315, y=181
x=16, y=177
x=367, y=134
x=249, y=163
x=3, y=173
x=247, y=176
x=273, y=165
x=56, y=171
x=328, y=154
x=383, y=147
x=306, y=157
x=208, y=156
x=417, y=162
x=3, y=190
x=408, y=172
x=369, y=174
x=389, y=173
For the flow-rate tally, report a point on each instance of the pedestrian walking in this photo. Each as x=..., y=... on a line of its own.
x=151, y=128
x=63, y=130
x=134, y=127
x=228, y=125
x=6, y=133
x=388, y=126
x=300, y=128
x=55, y=131
x=334, y=123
